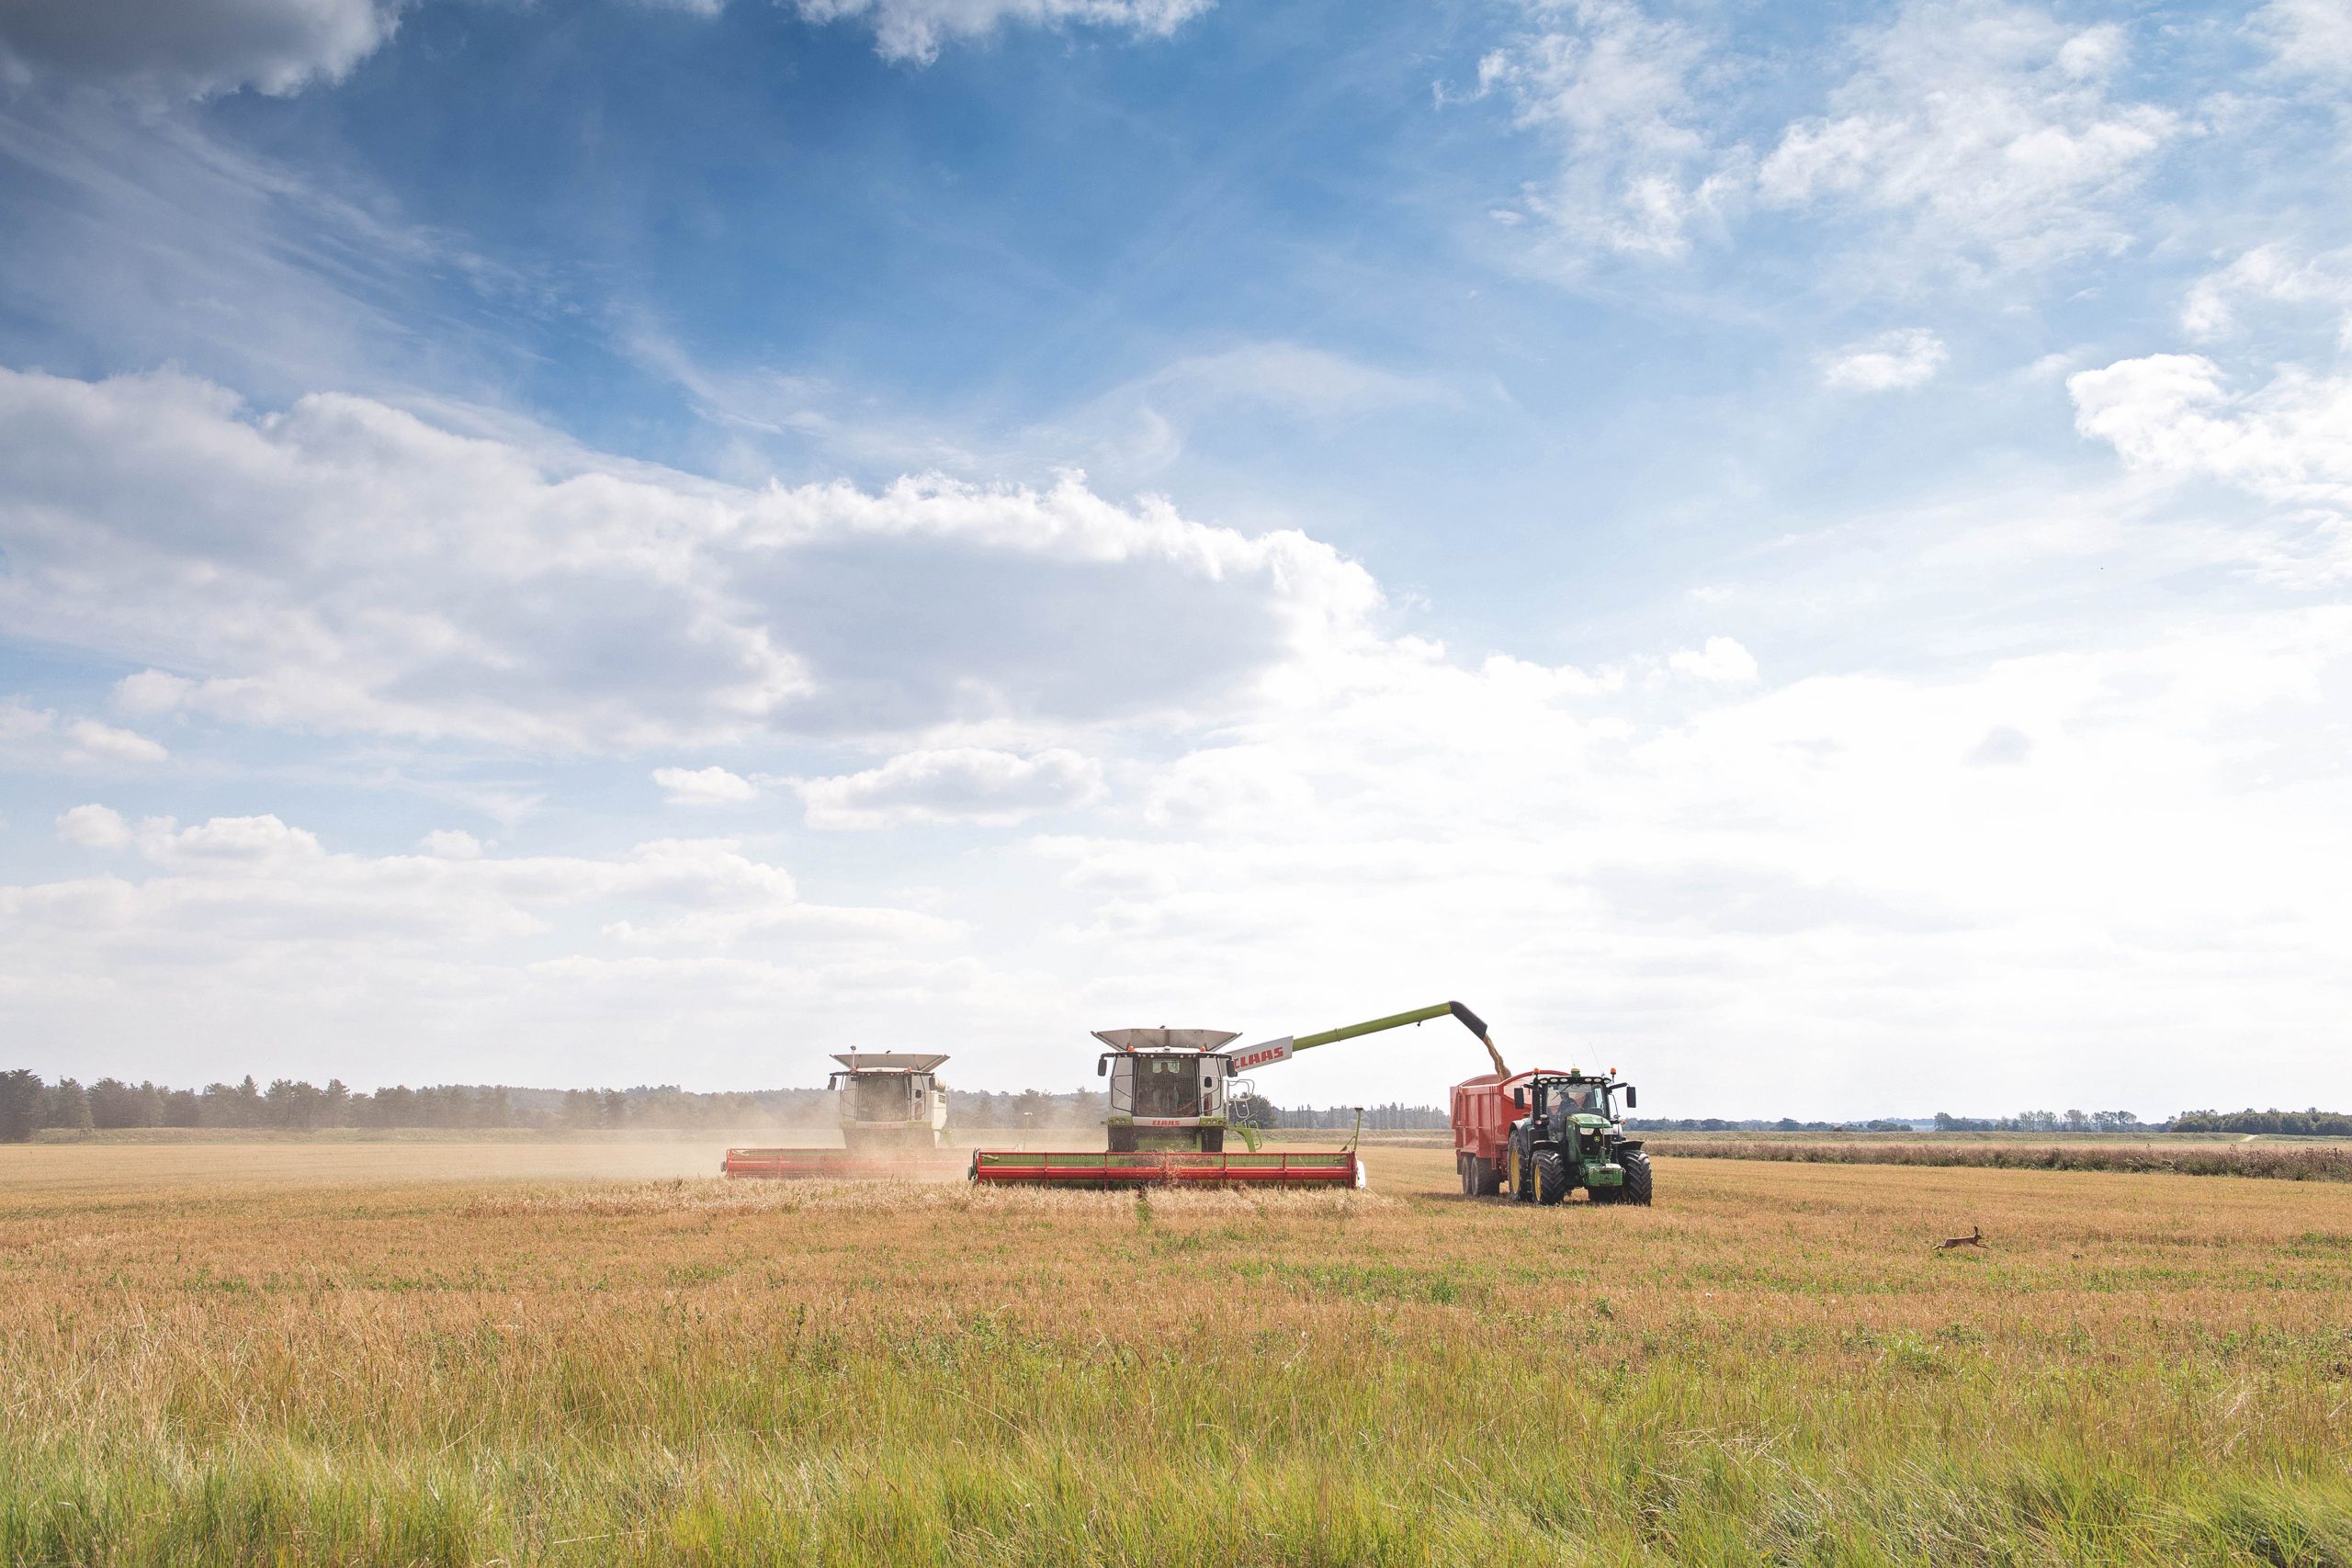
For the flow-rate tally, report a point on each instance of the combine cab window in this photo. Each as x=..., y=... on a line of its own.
x=1168, y=1086
x=879, y=1098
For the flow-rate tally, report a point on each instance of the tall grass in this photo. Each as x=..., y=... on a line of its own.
x=1770, y=1366
x=2279, y=1162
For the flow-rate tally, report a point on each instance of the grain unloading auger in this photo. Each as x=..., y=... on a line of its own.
x=893, y=1118
x=1168, y=1121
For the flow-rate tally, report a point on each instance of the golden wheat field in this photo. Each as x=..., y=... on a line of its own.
x=478, y=1354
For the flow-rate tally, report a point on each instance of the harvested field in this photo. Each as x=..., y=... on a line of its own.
x=2284, y=1162
x=216, y=1353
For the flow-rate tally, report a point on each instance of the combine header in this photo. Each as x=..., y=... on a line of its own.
x=893, y=1118
x=1168, y=1122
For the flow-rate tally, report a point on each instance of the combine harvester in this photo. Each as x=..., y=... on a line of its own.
x=894, y=1122
x=1167, y=1124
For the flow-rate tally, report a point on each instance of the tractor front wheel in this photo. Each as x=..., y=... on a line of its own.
x=1551, y=1178
x=1637, y=1177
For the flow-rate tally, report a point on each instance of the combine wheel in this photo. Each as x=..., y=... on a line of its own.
x=1637, y=1179
x=1551, y=1176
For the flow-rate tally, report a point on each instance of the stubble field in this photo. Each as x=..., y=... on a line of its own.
x=398, y=1353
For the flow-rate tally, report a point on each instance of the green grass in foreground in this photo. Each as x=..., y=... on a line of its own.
x=1772, y=1365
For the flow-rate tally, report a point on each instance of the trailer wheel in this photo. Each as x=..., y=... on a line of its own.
x=1551, y=1176
x=1519, y=1176
x=1461, y=1168
x=1637, y=1177
x=1486, y=1180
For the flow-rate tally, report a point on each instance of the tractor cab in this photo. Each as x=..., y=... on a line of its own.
x=1570, y=1134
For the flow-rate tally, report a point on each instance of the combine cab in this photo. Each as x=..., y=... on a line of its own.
x=1167, y=1124
x=893, y=1120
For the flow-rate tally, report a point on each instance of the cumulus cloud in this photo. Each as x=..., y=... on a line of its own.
x=194, y=47
x=94, y=826
x=963, y=784
x=106, y=741
x=1888, y=362
x=451, y=844
x=703, y=786
x=2289, y=440
x=913, y=30
x=1722, y=660
x=344, y=566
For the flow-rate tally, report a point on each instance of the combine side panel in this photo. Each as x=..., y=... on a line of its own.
x=1321, y=1168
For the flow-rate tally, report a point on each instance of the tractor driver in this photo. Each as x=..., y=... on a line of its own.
x=1577, y=1099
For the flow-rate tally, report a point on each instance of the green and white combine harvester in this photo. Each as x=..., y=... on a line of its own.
x=1169, y=1094
x=893, y=1120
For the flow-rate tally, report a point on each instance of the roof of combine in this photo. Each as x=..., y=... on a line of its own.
x=889, y=1061
x=1166, y=1039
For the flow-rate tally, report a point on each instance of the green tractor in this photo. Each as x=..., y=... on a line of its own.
x=1571, y=1132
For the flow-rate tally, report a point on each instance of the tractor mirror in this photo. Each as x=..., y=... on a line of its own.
x=1519, y=1097
x=1632, y=1099
x=1101, y=1067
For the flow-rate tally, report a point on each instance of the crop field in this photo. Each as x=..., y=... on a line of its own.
x=592, y=1353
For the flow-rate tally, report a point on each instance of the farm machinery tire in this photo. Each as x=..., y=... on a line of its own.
x=1637, y=1179
x=1551, y=1178
x=1489, y=1179
x=1523, y=1176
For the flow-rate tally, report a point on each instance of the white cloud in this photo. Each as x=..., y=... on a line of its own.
x=1888, y=362
x=1614, y=90
x=39, y=733
x=2290, y=440
x=104, y=741
x=451, y=844
x=1986, y=129
x=2309, y=38
x=1722, y=660
x=703, y=786
x=344, y=566
x=2274, y=274
x=962, y=784
x=94, y=826
x=914, y=29
x=1985, y=135
x=194, y=47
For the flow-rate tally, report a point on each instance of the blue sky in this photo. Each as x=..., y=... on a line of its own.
x=1802, y=550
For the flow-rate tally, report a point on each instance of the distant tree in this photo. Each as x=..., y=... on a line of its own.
x=69, y=1107
x=23, y=1098
x=337, y=1107
x=114, y=1103
x=2076, y=1121
x=182, y=1108
x=1251, y=1109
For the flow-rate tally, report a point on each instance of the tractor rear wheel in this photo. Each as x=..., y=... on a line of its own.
x=1637, y=1177
x=1551, y=1176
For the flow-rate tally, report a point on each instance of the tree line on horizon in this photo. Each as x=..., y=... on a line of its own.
x=29, y=1104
